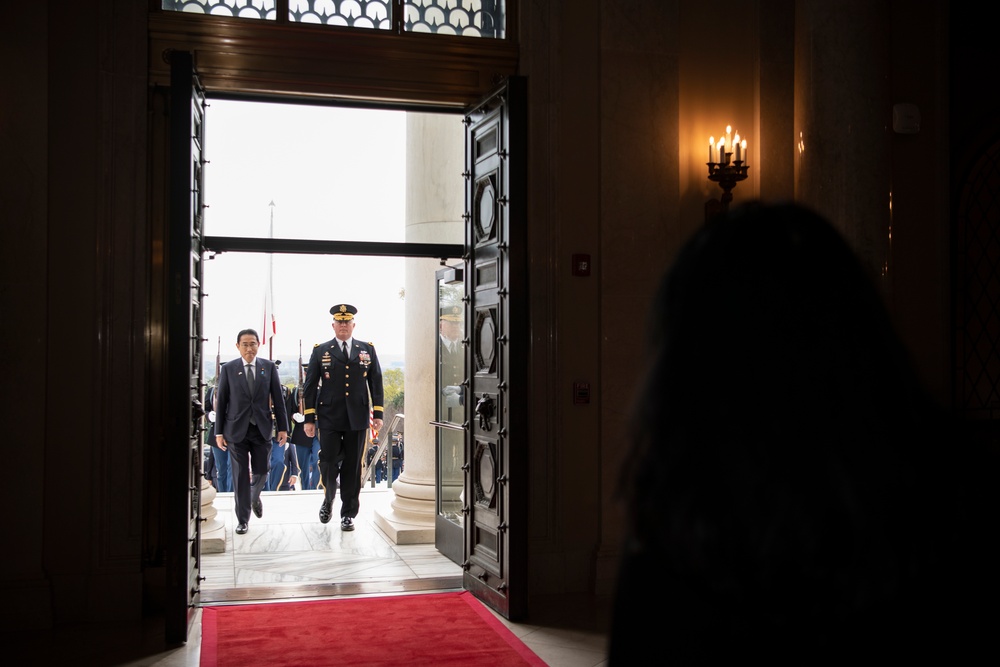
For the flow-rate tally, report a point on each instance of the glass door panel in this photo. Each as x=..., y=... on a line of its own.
x=450, y=411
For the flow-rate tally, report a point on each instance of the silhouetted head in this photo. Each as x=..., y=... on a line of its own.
x=782, y=441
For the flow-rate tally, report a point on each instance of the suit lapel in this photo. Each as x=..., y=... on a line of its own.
x=261, y=373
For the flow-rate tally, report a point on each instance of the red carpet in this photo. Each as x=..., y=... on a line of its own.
x=432, y=628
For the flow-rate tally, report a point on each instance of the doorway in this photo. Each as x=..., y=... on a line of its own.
x=322, y=176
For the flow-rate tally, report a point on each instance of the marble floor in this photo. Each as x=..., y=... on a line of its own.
x=288, y=555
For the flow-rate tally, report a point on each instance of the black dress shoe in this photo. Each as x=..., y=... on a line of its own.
x=347, y=523
x=258, y=508
x=241, y=529
x=325, y=512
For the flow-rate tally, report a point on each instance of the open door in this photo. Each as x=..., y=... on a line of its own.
x=495, y=497
x=183, y=363
x=451, y=421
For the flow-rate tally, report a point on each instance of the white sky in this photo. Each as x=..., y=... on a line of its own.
x=333, y=174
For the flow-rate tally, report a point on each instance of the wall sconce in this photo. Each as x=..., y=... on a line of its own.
x=725, y=170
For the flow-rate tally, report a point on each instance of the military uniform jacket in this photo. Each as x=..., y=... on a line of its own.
x=337, y=389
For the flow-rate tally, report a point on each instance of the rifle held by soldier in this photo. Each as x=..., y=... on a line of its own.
x=300, y=391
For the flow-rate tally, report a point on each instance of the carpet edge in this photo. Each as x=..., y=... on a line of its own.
x=502, y=630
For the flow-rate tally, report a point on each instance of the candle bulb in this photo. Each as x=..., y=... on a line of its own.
x=729, y=138
x=722, y=151
x=745, y=156
x=711, y=146
x=736, y=143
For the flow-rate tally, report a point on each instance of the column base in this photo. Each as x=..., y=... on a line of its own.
x=410, y=519
x=214, y=541
x=213, y=529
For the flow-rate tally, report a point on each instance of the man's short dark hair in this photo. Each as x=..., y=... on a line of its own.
x=247, y=332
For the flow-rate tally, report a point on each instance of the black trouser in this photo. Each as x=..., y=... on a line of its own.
x=340, y=453
x=249, y=460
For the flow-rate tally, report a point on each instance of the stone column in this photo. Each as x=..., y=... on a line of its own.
x=435, y=202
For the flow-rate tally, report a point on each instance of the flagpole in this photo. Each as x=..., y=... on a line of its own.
x=268, y=305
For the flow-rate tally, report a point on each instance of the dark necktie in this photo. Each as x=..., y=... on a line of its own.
x=250, y=381
x=346, y=353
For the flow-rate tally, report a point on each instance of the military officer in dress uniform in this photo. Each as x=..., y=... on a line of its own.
x=452, y=363
x=451, y=406
x=341, y=375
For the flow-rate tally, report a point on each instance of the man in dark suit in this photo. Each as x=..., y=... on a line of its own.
x=248, y=387
x=341, y=375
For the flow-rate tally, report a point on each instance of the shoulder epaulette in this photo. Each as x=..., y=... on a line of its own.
x=315, y=344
